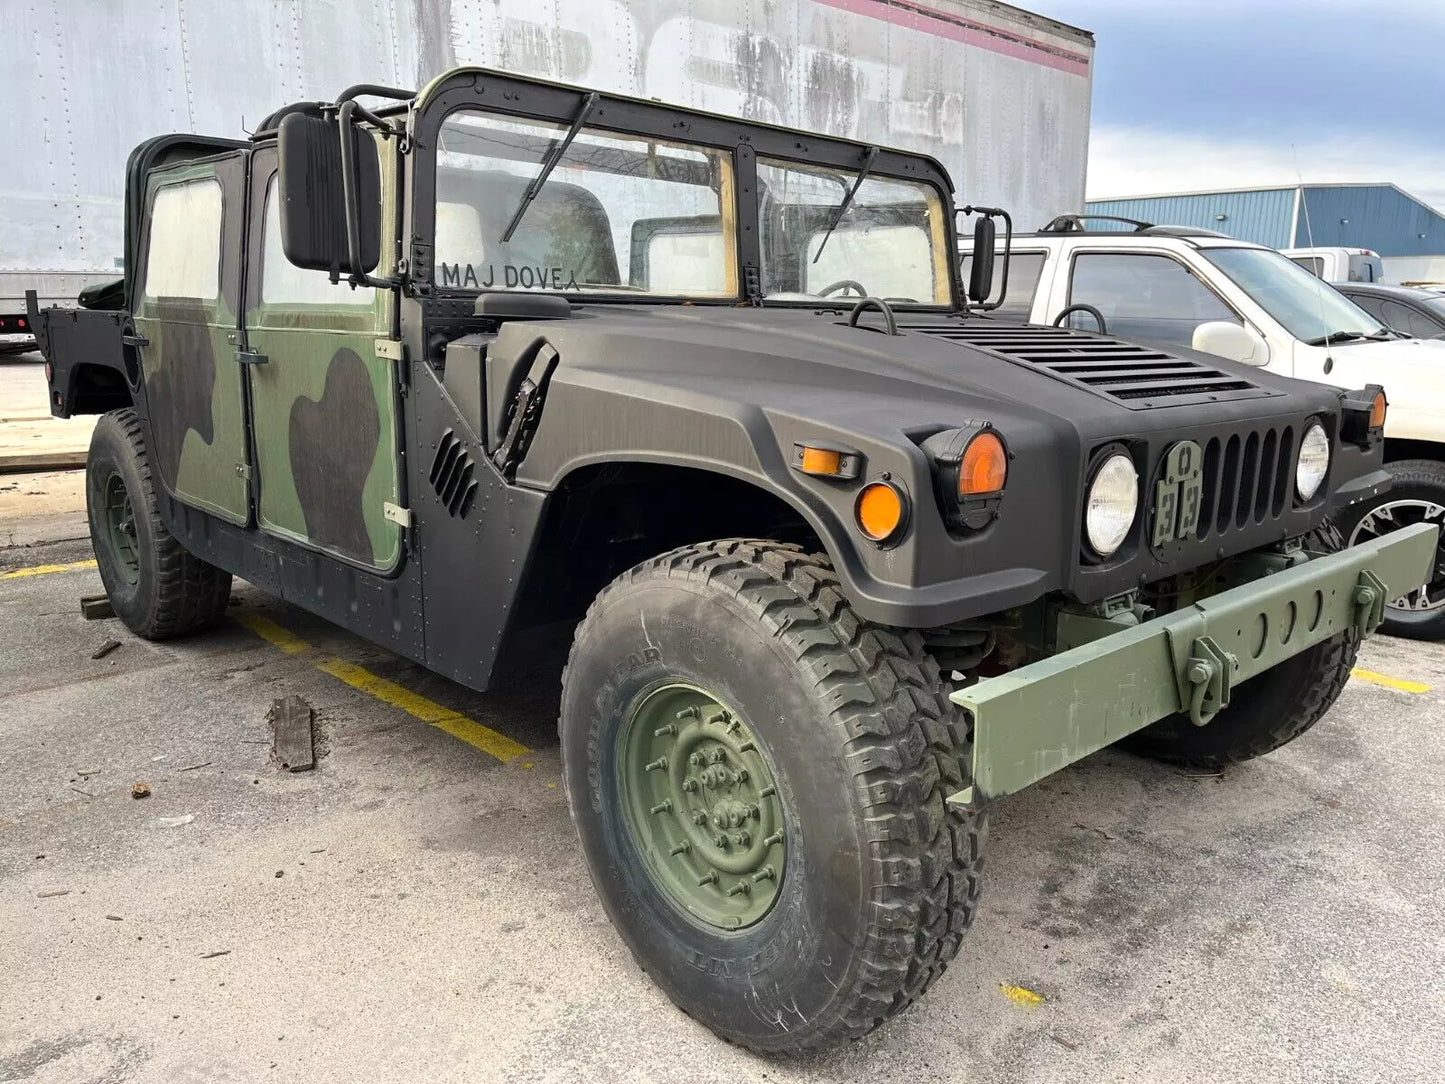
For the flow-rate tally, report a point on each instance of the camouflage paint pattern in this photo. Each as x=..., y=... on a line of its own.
x=325, y=428
x=192, y=382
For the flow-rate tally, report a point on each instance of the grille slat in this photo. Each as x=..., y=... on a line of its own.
x=1246, y=480
x=1139, y=377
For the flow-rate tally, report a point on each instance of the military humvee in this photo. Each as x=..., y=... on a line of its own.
x=843, y=559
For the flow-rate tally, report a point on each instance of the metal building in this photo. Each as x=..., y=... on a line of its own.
x=998, y=94
x=1381, y=216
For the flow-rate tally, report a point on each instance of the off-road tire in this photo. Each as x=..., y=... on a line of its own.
x=882, y=877
x=1267, y=711
x=175, y=593
x=1420, y=480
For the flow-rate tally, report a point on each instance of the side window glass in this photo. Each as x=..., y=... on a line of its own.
x=1024, y=271
x=1143, y=296
x=283, y=283
x=1315, y=265
x=1396, y=316
x=184, y=258
x=1372, y=305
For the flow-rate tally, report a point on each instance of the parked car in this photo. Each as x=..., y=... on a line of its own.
x=1339, y=264
x=1410, y=310
x=1180, y=286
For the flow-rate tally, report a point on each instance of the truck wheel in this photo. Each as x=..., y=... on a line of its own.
x=1418, y=496
x=758, y=779
x=1267, y=711
x=155, y=587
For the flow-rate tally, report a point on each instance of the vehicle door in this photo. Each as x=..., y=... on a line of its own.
x=324, y=404
x=186, y=301
x=1151, y=296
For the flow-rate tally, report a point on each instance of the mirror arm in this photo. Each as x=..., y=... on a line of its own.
x=1008, y=244
x=347, y=134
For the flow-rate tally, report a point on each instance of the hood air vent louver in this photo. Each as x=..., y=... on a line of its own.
x=1137, y=376
x=451, y=476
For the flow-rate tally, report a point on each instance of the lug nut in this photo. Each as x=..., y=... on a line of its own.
x=746, y=747
x=664, y=729
x=682, y=848
x=720, y=841
x=740, y=776
x=741, y=888
x=719, y=821
x=767, y=792
x=689, y=784
x=717, y=717
x=765, y=874
x=742, y=839
x=716, y=756
x=699, y=817
x=664, y=806
x=754, y=812
x=775, y=838
x=708, y=878
x=688, y=713
x=660, y=764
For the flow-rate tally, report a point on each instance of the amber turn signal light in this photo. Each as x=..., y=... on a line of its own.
x=881, y=511
x=1377, y=410
x=820, y=461
x=984, y=467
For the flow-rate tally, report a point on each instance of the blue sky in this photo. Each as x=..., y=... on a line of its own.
x=1222, y=93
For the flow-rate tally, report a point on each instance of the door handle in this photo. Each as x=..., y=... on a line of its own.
x=247, y=357
x=135, y=340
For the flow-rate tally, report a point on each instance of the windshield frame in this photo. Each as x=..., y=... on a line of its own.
x=744, y=141
x=1290, y=269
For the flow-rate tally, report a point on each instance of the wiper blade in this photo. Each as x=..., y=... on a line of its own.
x=556, y=156
x=847, y=200
x=1336, y=337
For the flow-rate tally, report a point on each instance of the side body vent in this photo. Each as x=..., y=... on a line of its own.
x=451, y=476
x=1139, y=377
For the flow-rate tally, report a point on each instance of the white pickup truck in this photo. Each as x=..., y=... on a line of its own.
x=1193, y=287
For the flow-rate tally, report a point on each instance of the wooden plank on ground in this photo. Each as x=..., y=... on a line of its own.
x=292, y=743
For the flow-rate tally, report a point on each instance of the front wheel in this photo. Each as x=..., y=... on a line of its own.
x=1418, y=496
x=758, y=779
x=155, y=586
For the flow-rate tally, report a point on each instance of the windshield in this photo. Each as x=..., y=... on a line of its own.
x=890, y=243
x=616, y=215
x=1307, y=308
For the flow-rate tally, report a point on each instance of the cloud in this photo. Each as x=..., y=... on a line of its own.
x=1142, y=161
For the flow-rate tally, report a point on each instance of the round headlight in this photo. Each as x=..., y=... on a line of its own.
x=1313, y=462
x=1113, y=500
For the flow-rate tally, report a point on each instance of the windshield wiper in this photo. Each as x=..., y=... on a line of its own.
x=556, y=156
x=1336, y=337
x=847, y=200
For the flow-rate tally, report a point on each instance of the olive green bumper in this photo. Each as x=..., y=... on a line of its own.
x=1044, y=716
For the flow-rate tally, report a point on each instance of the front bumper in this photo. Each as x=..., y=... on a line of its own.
x=1042, y=717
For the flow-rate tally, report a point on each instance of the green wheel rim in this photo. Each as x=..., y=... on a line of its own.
x=701, y=804
x=120, y=528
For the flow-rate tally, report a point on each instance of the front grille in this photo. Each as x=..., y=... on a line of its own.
x=1137, y=376
x=1248, y=478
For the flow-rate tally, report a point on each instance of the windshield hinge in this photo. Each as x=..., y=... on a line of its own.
x=752, y=283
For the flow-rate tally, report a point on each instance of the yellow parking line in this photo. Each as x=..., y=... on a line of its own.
x=1390, y=682
x=388, y=692
x=42, y=570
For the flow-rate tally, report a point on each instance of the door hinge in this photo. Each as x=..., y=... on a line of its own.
x=396, y=513
x=391, y=349
x=250, y=357
x=243, y=470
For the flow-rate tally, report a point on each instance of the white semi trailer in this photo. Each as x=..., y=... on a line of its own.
x=999, y=95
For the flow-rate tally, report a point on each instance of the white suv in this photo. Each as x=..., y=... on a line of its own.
x=1191, y=287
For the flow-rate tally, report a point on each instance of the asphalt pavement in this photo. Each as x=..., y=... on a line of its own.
x=416, y=907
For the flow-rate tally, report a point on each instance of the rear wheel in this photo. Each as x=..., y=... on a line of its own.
x=1267, y=711
x=1418, y=496
x=155, y=586
x=758, y=779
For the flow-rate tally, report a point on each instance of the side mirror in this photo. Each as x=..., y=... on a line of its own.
x=980, y=279
x=1229, y=340
x=320, y=227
